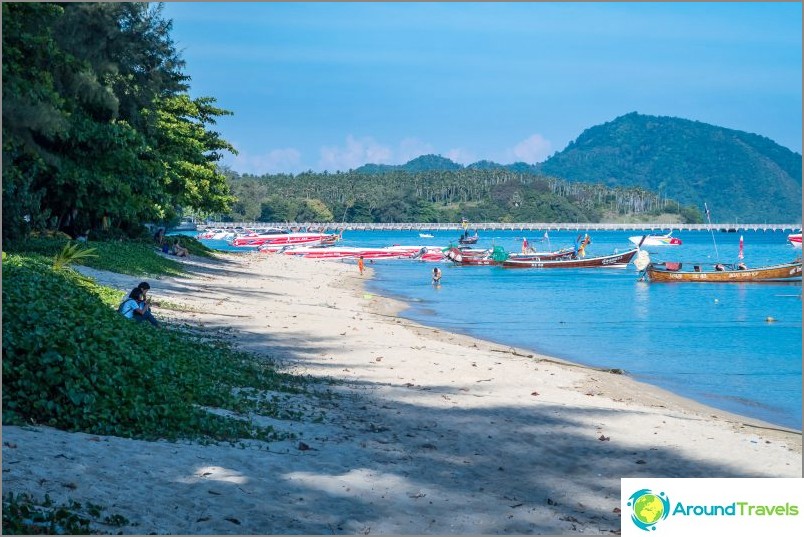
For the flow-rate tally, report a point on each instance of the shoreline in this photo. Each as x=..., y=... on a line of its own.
x=424, y=431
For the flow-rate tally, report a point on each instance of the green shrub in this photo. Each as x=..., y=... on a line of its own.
x=71, y=361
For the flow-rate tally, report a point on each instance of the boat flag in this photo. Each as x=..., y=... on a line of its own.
x=524, y=244
x=740, y=255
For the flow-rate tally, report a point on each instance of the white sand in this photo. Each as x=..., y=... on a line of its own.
x=431, y=432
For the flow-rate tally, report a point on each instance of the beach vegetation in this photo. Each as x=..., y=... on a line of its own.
x=100, y=133
x=70, y=361
x=134, y=257
x=24, y=514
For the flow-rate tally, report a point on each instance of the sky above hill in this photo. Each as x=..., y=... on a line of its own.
x=332, y=86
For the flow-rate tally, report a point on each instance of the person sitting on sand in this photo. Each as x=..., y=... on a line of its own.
x=131, y=305
x=179, y=250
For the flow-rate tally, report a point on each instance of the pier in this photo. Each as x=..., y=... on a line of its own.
x=503, y=226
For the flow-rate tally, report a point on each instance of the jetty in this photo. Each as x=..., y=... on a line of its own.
x=510, y=226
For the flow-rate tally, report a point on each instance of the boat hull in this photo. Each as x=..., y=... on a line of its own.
x=619, y=260
x=788, y=272
x=655, y=240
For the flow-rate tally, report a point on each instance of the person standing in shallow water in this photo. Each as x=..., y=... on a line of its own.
x=360, y=265
x=436, y=276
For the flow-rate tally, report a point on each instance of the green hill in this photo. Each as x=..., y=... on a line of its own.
x=739, y=175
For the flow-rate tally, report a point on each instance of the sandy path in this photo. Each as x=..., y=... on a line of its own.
x=429, y=432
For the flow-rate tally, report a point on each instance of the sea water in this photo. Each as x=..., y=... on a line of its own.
x=736, y=347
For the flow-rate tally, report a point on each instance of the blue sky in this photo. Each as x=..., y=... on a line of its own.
x=332, y=86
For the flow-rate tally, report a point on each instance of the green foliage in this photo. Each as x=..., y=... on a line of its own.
x=71, y=361
x=25, y=515
x=72, y=253
x=98, y=128
x=124, y=257
x=481, y=194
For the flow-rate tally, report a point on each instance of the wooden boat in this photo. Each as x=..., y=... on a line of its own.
x=721, y=272
x=466, y=256
x=656, y=240
x=533, y=255
x=466, y=239
x=616, y=260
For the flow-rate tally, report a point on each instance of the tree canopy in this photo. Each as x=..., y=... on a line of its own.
x=99, y=130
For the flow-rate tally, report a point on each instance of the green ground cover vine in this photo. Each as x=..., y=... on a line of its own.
x=71, y=361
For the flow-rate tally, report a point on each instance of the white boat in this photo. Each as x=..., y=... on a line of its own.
x=425, y=236
x=794, y=239
x=217, y=234
x=656, y=240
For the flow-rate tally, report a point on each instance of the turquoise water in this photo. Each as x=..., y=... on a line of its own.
x=709, y=342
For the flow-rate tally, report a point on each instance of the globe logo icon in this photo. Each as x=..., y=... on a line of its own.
x=648, y=508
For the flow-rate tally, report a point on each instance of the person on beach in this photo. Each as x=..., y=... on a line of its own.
x=159, y=236
x=360, y=265
x=179, y=250
x=436, y=276
x=145, y=306
x=131, y=305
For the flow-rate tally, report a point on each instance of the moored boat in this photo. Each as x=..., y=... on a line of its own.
x=656, y=240
x=794, y=239
x=280, y=238
x=465, y=256
x=343, y=252
x=723, y=272
x=533, y=255
x=615, y=260
x=467, y=239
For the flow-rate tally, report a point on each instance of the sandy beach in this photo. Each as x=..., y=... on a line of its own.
x=422, y=432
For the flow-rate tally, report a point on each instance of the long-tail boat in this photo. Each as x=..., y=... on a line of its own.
x=615, y=260
x=723, y=272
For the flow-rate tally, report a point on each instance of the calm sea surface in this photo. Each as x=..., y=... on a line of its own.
x=709, y=342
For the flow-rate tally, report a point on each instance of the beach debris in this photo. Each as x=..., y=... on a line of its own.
x=604, y=438
x=551, y=502
x=640, y=461
x=378, y=359
x=203, y=519
x=303, y=447
x=535, y=393
x=616, y=510
x=231, y=519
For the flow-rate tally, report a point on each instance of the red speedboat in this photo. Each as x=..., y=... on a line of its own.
x=281, y=238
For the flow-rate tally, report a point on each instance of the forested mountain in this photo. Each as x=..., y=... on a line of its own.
x=741, y=176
